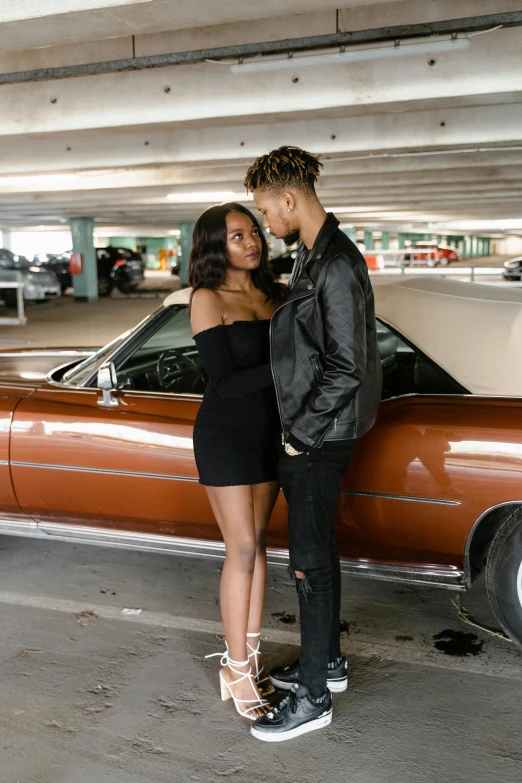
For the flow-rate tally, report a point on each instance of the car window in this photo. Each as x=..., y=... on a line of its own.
x=166, y=360
x=406, y=370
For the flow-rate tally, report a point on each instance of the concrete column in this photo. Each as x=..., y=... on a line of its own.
x=6, y=238
x=385, y=240
x=185, y=241
x=377, y=240
x=86, y=284
x=368, y=240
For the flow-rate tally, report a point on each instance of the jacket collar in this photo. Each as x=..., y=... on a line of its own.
x=324, y=237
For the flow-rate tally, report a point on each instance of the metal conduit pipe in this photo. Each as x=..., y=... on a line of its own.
x=465, y=25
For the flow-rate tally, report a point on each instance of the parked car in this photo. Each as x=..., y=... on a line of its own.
x=39, y=284
x=59, y=264
x=120, y=267
x=432, y=254
x=434, y=492
x=117, y=266
x=513, y=269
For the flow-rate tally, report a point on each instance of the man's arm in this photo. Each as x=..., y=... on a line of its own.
x=343, y=303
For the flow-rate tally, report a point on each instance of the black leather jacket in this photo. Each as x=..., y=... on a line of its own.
x=323, y=341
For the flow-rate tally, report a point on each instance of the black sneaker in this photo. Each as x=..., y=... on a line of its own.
x=295, y=715
x=285, y=676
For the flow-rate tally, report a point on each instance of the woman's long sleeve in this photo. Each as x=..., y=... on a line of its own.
x=225, y=377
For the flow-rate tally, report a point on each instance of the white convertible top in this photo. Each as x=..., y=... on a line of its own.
x=472, y=331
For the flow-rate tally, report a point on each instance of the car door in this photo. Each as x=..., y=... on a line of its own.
x=400, y=503
x=127, y=465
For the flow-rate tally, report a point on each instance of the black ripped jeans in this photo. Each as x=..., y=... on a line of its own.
x=311, y=483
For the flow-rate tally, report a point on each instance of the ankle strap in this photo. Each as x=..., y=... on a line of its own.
x=254, y=634
x=239, y=663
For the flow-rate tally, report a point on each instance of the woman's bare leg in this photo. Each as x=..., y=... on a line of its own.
x=233, y=508
x=264, y=497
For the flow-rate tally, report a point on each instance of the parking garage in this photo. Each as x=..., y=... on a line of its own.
x=122, y=122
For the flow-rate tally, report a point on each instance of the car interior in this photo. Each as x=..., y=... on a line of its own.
x=167, y=360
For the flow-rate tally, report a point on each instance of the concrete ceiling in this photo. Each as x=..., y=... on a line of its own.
x=409, y=142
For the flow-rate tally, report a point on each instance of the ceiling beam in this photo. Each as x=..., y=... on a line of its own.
x=391, y=33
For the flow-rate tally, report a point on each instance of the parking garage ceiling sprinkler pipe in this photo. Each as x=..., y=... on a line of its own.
x=343, y=55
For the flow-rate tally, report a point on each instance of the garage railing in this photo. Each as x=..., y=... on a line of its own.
x=13, y=279
x=464, y=272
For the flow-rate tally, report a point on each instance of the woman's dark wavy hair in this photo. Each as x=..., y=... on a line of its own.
x=209, y=260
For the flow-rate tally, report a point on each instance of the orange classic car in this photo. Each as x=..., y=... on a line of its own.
x=97, y=448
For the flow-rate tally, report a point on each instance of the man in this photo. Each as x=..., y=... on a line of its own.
x=327, y=376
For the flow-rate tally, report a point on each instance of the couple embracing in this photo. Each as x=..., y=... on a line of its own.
x=294, y=380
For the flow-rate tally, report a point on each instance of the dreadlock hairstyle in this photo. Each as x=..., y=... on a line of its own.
x=286, y=166
x=209, y=260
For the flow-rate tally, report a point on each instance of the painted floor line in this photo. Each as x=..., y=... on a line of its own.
x=403, y=653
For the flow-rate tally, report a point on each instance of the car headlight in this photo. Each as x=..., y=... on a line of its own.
x=511, y=264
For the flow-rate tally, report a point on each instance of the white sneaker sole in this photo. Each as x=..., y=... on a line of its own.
x=334, y=686
x=312, y=725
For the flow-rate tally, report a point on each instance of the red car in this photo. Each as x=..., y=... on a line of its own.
x=433, y=254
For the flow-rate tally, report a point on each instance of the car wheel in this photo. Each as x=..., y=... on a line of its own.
x=126, y=288
x=504, y=575
x=444, y=261
x=104, y=286
x=432, y=262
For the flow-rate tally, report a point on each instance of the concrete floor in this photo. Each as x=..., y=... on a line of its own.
x=91, y=695
x=64, y=322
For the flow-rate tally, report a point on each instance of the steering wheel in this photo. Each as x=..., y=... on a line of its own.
x=173, y=365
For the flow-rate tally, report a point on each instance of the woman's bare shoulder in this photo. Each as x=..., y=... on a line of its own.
x=205, y=310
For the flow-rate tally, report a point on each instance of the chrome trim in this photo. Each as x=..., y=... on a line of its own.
x=441, y=577
x=402, y=497
x=47, y=352
x=18, y=527
x=100, y=470
x=191, y=547
x=4, y=462
x=469, y=540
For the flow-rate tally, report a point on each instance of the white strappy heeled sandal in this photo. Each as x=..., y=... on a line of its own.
x=226, y=690
x=263, y=682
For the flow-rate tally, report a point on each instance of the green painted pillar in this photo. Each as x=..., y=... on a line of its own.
x=385, y=240
x=86, y=284
x=368, y=240
x=185, y=241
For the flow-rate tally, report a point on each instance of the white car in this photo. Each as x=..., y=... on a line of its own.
x=39, y=284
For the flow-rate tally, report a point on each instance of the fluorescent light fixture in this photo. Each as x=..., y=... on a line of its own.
x=353, y=54
x=210, y=197
x=36, y=179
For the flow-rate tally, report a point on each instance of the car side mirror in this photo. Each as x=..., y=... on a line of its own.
x=107, y=381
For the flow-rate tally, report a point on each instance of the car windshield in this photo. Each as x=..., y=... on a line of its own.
x=81, y=373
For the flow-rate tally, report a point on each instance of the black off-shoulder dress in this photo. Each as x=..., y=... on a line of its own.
x=237, y=426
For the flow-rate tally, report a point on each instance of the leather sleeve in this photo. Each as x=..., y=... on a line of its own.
x=342, y=299
x=225, y=377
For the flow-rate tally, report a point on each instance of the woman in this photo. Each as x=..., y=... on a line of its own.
x=235, y=434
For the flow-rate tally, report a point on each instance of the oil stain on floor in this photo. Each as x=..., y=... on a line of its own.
x=458, y=643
